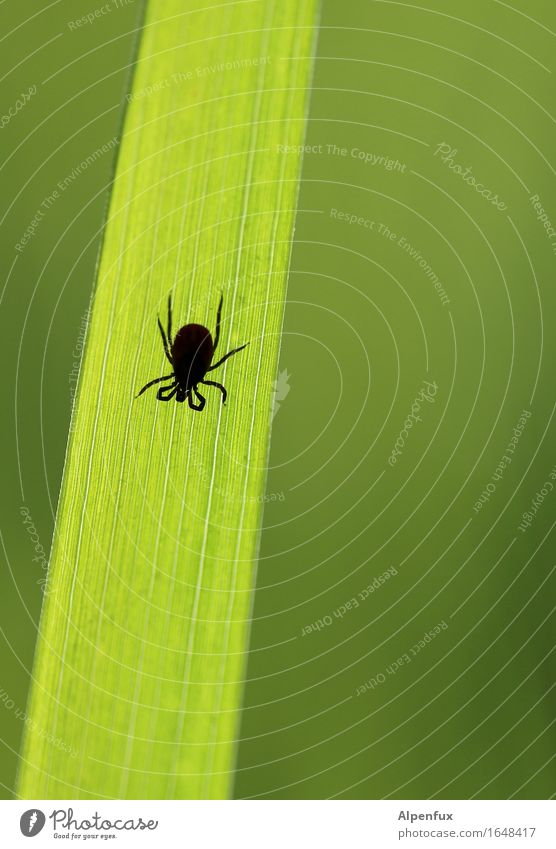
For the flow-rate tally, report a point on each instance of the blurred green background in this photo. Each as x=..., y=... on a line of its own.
x=402, y=274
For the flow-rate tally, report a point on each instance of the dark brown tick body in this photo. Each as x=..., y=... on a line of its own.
x=190, y=353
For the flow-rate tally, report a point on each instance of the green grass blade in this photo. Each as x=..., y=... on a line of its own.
x=141, y=653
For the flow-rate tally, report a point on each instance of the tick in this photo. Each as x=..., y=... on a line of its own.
x=190, y=354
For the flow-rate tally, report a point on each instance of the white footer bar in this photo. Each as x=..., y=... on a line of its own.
x=280, y=824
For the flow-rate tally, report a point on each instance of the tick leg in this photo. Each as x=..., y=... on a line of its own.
x=218, y=314
x=165, y=393
x=170, y=340
x=202, y=401
x=152, y=383
x=218, y=386
x=225, y=357
x=164, y=340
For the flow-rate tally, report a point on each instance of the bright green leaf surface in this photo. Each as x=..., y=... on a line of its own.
x=141, y=654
